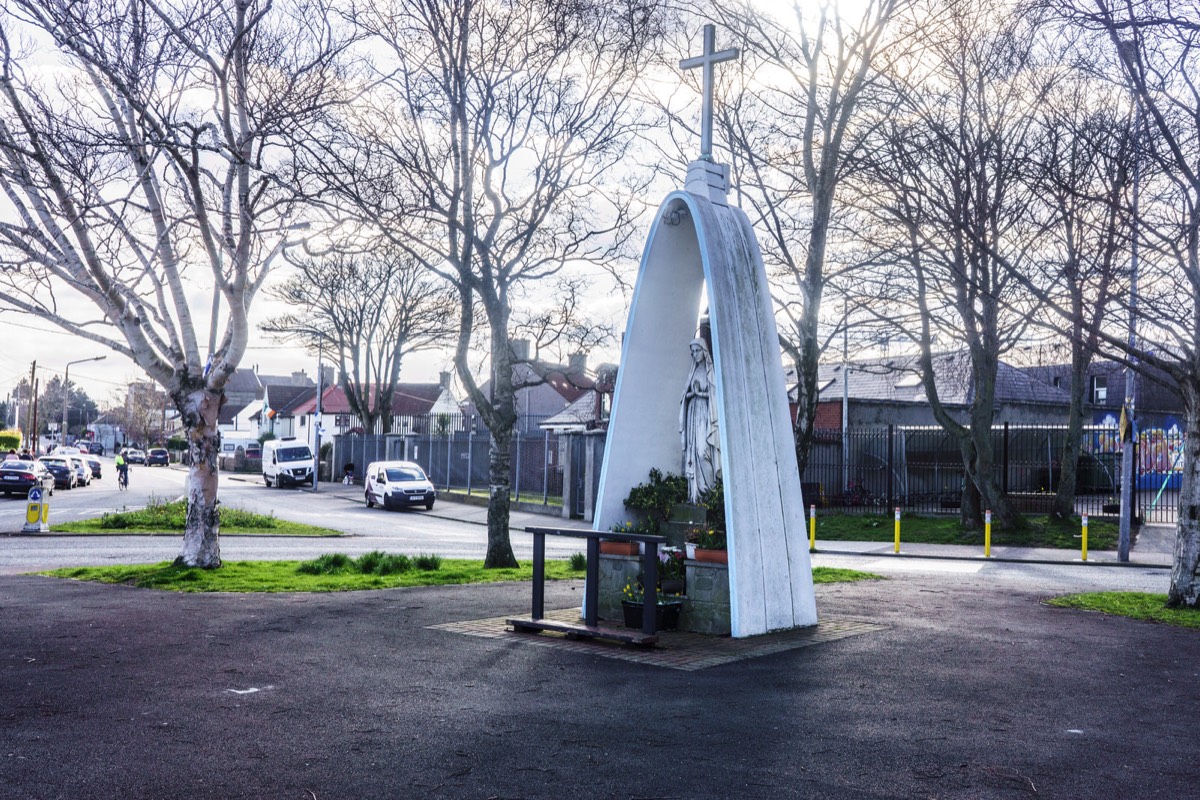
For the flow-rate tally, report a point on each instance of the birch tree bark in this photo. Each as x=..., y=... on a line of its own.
x=146, y=159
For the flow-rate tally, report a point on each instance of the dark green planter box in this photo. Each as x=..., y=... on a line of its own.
x=666, y=616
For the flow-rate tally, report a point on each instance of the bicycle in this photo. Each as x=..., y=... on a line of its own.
x=122, y=480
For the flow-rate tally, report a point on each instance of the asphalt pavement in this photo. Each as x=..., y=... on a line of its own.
x=957, y=682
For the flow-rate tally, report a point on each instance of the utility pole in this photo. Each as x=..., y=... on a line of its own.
x=30, y=414
x=33, y=431
x=317, y=421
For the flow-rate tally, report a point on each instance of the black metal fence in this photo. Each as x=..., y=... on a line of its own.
x=867, y=470
x=921, y=469
x=455, y=455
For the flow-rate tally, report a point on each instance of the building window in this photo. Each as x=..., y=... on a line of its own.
x=1100, y=389
x=342, y=421
x=1057, y=382
x=303, y=420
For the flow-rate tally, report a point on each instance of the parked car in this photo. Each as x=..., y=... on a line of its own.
x=94, y=463
x=83, y=472
x=157, y=457
x=398, y=484
x=135, y=456
x=84, y=448
x=62, y=470
x=95, y=448
x=19, y=476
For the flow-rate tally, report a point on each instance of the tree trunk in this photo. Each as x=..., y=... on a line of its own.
x=500, y=425
x=1064, y=498
x=1185, y=572
x=201, y=536
x=499, y=547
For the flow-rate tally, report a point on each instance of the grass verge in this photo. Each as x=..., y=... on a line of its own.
x=160, y=516
x=1039, y=531
x=1135, y=605
x=340, y=573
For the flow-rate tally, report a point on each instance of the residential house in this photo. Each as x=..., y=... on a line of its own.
x=889, y=391
x=412, y=403
x=543, y=389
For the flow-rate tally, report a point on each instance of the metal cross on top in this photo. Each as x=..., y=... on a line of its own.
x=708, y=59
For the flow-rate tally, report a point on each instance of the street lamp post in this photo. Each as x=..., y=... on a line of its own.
x=62, y=434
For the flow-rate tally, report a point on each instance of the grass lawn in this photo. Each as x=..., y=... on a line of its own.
x=339, y=573
x=1135, y=605
x=1038, y=532
x=161, y=517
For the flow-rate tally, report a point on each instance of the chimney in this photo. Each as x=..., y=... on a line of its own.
x=577, y=364
x=327, y=375
x=444, y=380
x=520, y=348
x=300, y=378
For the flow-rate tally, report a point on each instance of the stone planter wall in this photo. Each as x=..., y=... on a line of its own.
x=615, y=571
x=705, y=608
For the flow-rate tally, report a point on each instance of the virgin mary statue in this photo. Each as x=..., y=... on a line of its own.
x=698, y=425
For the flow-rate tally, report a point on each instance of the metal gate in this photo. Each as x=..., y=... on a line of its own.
x=1159, y=460
x=578, y=475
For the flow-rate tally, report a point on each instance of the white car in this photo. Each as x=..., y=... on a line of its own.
x=83, y=471
x=398, y=484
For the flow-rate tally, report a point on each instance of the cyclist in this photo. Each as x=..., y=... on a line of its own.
x=122, y=470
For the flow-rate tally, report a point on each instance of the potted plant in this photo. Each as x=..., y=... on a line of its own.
x=711, y=546
x=633, y=600
x=709, y=540
x=614, y=548
x=672, y=574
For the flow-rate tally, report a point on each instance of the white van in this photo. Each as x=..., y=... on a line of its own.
x=398, y=484
x=287, y=462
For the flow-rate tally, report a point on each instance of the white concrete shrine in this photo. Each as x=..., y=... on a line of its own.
x=698, y=240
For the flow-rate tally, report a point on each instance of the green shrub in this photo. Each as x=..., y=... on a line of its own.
x=578, y=562
x=658, y=496
x=177, y=443
x=428, y=562
x=378, y=562
x=328, y=564
x=10, y=440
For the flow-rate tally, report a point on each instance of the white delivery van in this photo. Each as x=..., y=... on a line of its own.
x=397, y=484
x=287, y=462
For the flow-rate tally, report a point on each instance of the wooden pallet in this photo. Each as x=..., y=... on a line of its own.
x=575, y=630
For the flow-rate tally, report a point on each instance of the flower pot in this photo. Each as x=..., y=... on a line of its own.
x=671, y=586
x=666, y=615
x=712, y=556
x=618, y=548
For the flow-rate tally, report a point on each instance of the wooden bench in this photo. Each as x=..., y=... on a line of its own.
x=536, y=623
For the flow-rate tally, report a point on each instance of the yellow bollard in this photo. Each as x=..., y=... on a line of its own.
x=897, y=547
x=812, y=528
x=1084, y=551
x=987, y=534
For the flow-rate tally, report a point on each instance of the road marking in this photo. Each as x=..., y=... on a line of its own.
x=251, y=690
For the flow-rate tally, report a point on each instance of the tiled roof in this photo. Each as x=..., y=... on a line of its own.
x=409, y=399
x=581, y=412
x=895, y=379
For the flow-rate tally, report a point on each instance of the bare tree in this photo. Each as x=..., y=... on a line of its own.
x=492, y=150
x=1081, y=171
x=795, y=116
x=369, y=310
x=149, y=160
x=809, y=103
x=951, y=191
x=562, y=326
x=1157, y=45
